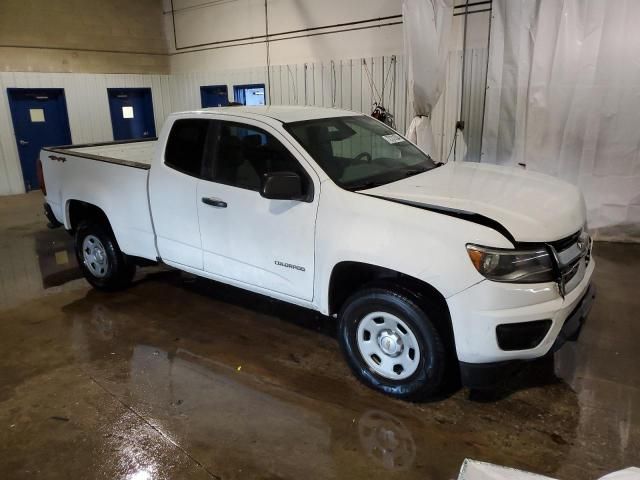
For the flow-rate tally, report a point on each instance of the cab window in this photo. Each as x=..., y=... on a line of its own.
x=244, y=154
x=187, y=145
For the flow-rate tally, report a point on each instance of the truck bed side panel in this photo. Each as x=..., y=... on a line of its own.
x=120, y=191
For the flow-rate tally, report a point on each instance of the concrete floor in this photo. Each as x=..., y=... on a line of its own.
x=184, y=378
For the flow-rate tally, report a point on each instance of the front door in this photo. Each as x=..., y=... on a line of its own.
x=131, y=113
x=246, y=237
x=39, y=120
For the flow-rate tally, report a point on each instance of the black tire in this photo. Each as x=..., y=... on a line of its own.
x=427, y=378
x=119, y=269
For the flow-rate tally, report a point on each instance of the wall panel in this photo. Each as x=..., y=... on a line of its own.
x=352, y=84
x=209, y=22
x=87, y=106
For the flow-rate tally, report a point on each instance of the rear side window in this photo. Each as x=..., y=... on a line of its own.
x=187, y=144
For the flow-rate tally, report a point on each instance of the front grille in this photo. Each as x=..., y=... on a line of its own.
x=571, y=272
x=569, y=254
x=566, y=242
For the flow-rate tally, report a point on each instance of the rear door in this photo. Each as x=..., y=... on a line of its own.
x=173, y=185
x=246, y=237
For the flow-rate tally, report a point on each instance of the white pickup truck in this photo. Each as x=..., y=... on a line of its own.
x=429, y=269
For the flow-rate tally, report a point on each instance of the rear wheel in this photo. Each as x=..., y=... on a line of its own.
x=391, y=344
x=102, y=263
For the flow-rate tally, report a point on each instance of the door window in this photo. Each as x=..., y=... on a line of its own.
x=187, y=145
x=249, y=95
x=245, y=154
x=214, y=96
x=36, y=115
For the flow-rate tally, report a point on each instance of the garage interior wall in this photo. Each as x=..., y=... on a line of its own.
x=89, y=36
x=87, y=107
x=101, y=44
x=298, y=31
x=331, y=53
x=349, y=66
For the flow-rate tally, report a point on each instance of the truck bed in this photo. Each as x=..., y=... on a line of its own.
x=111, y=176
x=133, y=153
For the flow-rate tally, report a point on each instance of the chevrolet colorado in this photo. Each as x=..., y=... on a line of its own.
x=431, y=270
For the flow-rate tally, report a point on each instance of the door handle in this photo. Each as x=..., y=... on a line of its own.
x=23, y=142
x=214, y=202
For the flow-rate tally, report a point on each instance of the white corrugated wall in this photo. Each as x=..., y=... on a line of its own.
x=87, y=106
x=352, y=84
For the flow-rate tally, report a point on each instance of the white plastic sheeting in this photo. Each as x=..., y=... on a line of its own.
x=632, y=473
x=473, y=470
x=564, y=98
x=427, y=24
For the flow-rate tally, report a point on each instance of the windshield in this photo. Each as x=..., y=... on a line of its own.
x=359, y=152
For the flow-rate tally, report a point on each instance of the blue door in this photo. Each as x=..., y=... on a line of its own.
x=39, y=120
x=250, y=94
x=131, y=113
x=214, y=96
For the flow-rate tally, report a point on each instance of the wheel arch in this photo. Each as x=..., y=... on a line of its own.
x=77, y=211
x=347, y=277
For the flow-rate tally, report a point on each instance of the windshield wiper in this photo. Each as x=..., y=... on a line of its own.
x=414, y=171
x=372, y=184
x=364, y=186
x=408, y=172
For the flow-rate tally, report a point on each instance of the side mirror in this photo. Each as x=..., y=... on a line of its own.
x=281, y=186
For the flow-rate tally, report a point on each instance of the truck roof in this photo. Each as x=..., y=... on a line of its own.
x=282, y=113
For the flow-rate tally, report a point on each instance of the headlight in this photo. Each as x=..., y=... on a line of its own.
x=516, y=266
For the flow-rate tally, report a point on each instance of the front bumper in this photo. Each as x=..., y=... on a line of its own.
x=573, y=324
x=477, y=311
x=482, y=375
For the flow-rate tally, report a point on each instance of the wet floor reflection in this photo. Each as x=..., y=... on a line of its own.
x=386, y=440
x=56, y=258
x=33, y=259
x=243, y=390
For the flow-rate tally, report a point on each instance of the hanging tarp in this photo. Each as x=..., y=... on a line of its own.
x=427, y=24
x=563, y=98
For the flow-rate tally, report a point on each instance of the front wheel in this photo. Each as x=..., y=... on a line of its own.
x=391, y=345
x=100, y=259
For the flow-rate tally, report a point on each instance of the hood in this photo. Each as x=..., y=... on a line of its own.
x=531, y=206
